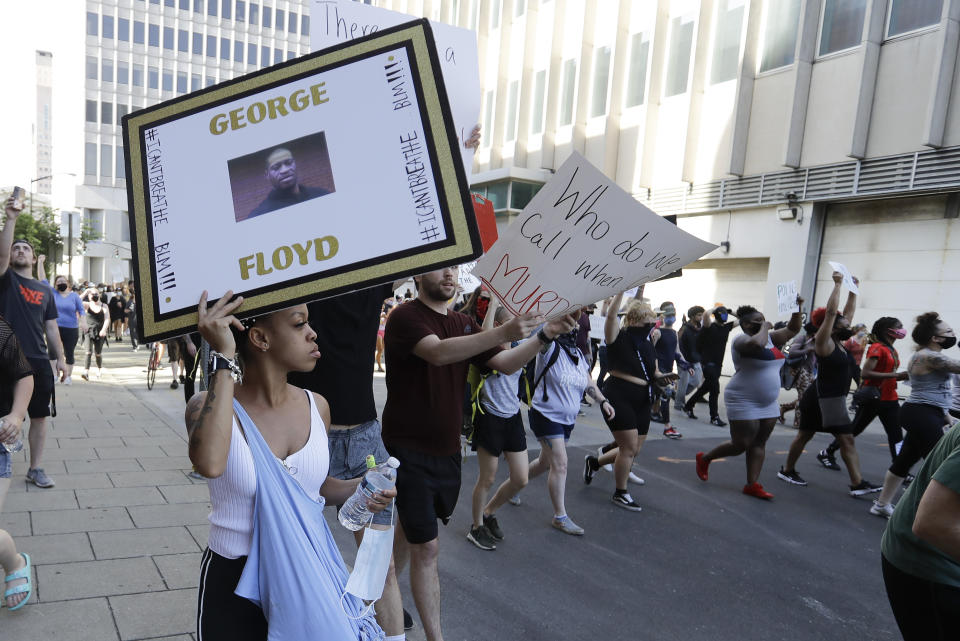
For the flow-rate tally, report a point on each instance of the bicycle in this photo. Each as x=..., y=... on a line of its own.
x=153, y=363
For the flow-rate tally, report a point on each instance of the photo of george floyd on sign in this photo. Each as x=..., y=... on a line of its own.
x=322, y=175
x=337, y=21
x=579, y=240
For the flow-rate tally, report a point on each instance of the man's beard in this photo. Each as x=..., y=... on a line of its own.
x=434, y=292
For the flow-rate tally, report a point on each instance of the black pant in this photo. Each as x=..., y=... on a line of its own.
x=68, y=337
x=221, y=614
x=889, y=413
x=711, y=386
x=924, y=426
x=924, y=610
x=95, y=347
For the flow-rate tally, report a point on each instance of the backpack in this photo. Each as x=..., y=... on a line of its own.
x=529, y=382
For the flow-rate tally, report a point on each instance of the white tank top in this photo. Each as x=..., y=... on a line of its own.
x=232, y=494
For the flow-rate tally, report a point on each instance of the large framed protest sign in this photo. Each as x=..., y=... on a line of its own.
x=579, y=240
x=326, y=174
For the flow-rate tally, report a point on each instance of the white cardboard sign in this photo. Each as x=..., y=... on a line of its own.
x=337, y=21
x=580, y=240
x=847, y=276
x=786, y=298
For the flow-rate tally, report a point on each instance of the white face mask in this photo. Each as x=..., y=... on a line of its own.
x=370, y=569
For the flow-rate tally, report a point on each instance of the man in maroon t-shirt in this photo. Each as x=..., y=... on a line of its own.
x=428, y=349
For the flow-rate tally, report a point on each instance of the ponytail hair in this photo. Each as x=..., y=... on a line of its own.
x=880, y=329
x=926, y=328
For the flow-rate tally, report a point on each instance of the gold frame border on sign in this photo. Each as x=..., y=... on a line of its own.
x=423, y=65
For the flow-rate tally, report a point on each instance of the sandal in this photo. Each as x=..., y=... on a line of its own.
x=22, y=573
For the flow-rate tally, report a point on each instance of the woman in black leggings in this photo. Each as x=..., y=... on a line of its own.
x=98, y=322
x=924, y=415
x=880, y=377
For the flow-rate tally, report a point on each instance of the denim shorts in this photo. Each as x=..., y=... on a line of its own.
x=5, y=465
x=348, y=455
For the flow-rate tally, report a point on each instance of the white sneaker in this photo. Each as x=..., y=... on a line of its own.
x=636, y=480
x=609, y=466
x=881, y=509
x=68, y=381
x=99, y=374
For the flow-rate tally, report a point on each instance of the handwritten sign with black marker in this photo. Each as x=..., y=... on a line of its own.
x=579, y=240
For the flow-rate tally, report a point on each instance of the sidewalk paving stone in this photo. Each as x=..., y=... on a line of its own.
x=152, y=478
x=57, y=548
x=186, y=493
x=141, y=616
x=61, y=581
x=145, y=516
x=16, y=523
x=119, y=496
x=118, y=544
x=51, y=499
x=68, y=454
x=100, y=465
x=74, y=482
x=168, y=463
x=130, y=452
x=78, y=620
x=92, y=520
x=180, y=570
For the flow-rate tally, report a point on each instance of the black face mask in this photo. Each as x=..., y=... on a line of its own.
x=948, y=341
x=62, y=287
x=844, y=334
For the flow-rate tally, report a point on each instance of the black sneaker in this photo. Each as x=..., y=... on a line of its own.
x=689, y=413
x=625, y=501
x=490, y=522
x=828, y=460
x=407, y=620
x=790, y=477
x=174, y=385
x=656, y=418
x=716, y=420
x=865, y=487
x=481, y=537
x=590, y=467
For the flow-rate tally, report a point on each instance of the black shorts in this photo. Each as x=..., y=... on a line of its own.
x=812, y=417
x=496, y=434
x=631, y=405
x=42, y=388
x=221, y=614
x=427, y=490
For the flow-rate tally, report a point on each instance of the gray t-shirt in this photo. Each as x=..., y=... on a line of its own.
x=499, y=394
x=565, y=382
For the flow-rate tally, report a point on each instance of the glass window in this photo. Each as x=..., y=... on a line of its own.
x=210, y=81
x=488, y=119
x=137, y=75
x=291, y=55
x=522, y=193
x=267, y=16
x=637, y=78
x=264, y=56
x=107, y=30
x=167, y=80
x=153, y=78
x=185, y=5
x=106, y=113
x=224, y=48
x=842, y=25
x=497, y=193
x=211, y=46
x=168, y=3
x=251, y=54
x=154, y=35
x=212, y=7
x=181, y=82
x=90, y=159
x=494, y=14
x=91, y=112
x=198, y=44
x=92, y=67
x=122, y=110
x=539, y=94
x=123, y=30
x=106, y=161
x=123, y=73
x=183, y=41
x=913, y=14
x=241, y=10
x=195, y=81
x=781, y=22
x=277, y=56
x=726, y=41
x=168, y=38
x=198, y=6
x=280, y=20
x=678, y=64
x=519, y=7
x=292, y=22
x=304, y=25
x=601, y=79
x=569, y=89
x=513, y=94
x=121, y=174
x=137, y=32
x=92, y=23
x=254, y=13
x=106, y=70
x=226, y=9
x=237, y=51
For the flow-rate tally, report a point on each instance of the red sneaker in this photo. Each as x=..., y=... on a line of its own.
x=702, y=466
x=756, y=490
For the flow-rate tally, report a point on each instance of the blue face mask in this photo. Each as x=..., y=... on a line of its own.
x=723, y=317
x=670, y=320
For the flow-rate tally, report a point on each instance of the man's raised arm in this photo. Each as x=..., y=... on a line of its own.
x=6, y=236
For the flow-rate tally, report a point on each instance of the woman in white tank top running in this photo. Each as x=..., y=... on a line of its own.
x=293, y=424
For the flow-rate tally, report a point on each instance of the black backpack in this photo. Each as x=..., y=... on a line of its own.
x=528, y=382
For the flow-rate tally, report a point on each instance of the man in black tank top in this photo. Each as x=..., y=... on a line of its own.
x=824, y=404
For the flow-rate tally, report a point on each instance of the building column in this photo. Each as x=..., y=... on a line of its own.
x=806, y=51
x=584, y=82
x=554, y=87
x=701, y=55
x=527, y=82
x=618, y=80
x=870, y=63
x=744, y=97
x=657, y=64
x=939, y=101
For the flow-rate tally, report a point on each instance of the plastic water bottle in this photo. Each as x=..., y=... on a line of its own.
x=354, y=514
x=16, y=446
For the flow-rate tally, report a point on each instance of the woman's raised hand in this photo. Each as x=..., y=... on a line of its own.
x=214, y=323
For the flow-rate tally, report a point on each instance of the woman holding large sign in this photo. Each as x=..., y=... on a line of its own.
x=271, y=566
